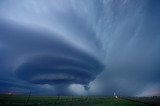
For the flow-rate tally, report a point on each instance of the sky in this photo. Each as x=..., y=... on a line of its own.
x=80, y=47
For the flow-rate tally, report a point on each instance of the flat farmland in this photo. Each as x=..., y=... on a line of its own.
x=14, y=100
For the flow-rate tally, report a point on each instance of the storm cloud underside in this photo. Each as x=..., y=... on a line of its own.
x=89, y=47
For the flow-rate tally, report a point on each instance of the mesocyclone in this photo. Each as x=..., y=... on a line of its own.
x=48, y=58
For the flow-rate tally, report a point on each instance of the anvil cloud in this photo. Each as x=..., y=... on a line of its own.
x=85, y=47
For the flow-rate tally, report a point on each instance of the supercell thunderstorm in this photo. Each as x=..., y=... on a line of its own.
x=90, y=47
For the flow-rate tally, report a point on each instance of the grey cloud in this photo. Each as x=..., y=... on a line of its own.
x=44, y=58
x=79, y=39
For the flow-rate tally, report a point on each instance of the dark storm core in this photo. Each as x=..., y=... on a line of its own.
x=54, y=69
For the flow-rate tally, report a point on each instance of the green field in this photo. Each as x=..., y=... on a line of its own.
x=65, y=101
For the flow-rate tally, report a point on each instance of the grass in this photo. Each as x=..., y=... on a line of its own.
x=13, y=100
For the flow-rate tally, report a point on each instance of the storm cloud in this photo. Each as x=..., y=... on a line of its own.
x=41, y=59
x=89, y=47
